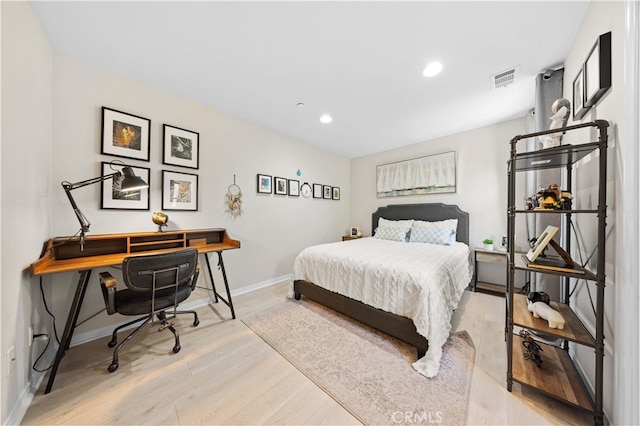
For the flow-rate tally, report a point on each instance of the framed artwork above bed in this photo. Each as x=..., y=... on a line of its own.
x=432, y=174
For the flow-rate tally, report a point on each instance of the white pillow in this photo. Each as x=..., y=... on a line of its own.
x=451, y=224
x=393, y=234
x=441, y=236
x=386, y=223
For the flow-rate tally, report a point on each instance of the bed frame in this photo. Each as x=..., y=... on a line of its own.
x=397, y=326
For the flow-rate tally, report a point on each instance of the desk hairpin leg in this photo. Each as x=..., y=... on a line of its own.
x=217, y=296
x=72, y=319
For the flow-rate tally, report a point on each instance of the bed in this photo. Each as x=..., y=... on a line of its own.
x=420, y=287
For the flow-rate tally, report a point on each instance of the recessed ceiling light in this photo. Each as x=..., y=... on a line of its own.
x=432, y=69
x=326, y=119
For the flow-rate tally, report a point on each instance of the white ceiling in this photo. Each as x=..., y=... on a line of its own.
x=360, y=62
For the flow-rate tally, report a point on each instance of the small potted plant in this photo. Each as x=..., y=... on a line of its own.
x=488, y=244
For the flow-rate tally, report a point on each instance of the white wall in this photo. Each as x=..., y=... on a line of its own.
x=51, y=132
x=621, y=294
x=26, y=206
x=481, y=180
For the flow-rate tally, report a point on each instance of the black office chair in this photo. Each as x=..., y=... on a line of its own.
x=154, y=283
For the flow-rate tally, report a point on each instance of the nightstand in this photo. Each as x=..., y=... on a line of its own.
x=349, y=237
x=488, y=256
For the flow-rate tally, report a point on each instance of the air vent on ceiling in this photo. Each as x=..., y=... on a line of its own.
x=504, y=78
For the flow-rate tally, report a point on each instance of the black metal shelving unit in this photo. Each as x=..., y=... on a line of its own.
x=558, y=376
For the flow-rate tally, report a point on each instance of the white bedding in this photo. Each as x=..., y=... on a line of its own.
x=420, y=281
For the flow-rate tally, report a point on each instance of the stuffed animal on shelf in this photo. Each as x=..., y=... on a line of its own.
x=544, y=311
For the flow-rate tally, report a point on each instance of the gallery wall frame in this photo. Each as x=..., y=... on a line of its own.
x=179, y=191
x=317, y=190
x=335, y=193
x=294, y=188
x=125, y=135
x=181, y=147
x=430, y=174
x=264, y=184
x=597, y=70
x=112, y=198
x=579, y=107
x=280, y=186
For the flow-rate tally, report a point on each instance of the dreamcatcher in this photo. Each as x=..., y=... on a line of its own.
x=233, y=199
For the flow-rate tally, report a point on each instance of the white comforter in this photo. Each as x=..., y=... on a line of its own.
x=420, y=281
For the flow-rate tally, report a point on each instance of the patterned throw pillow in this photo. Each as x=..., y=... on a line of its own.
x=431, y=235
x=393, y=234
x=451, y=224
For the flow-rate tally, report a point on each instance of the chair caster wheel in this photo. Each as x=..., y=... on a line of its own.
x=176, y=349
x=196, y=322
x=113, y=367
x=112, y=344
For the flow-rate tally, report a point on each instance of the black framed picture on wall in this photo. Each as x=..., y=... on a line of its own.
x=125, y=135
x=317, y=190
x=181, y=147
x=179, y=191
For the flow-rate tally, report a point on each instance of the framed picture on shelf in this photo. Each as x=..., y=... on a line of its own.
x=181, y=147
x=579, y=108
x=335, y=193
x=294, y=188
x=326, y=192
x=354, y=231
x=597, y=70
x=125, y=135
x=280, y=185
x=112, y=198
x=317, y=190
x=264, y=184
x=179, y=191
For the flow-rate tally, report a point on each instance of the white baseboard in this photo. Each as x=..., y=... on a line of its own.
x=99, y=333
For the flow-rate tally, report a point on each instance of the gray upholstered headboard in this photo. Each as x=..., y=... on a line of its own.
x=427, y=211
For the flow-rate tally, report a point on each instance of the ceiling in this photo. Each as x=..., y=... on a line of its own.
x=361, y=62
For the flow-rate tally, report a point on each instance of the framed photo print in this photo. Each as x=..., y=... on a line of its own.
x=336, y=193
x=326, y=192
x=317, y=190
x=579, y=108
x=294, y=188
x=264, y=184
x=597, y=70
x=181, y=147
x=354, y=231
x=280, y=185
x=125, y=135
x=111, y=197
x=179, y=191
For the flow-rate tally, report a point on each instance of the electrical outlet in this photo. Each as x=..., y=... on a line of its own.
x=30, y=335
x=11, y=359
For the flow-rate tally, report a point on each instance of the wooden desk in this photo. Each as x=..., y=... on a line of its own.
x=65, y=254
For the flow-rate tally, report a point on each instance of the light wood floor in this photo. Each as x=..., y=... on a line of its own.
x=225, y=374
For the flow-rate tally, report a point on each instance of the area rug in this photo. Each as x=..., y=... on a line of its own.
x=366, y=371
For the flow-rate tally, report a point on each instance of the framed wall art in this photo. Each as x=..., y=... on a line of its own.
x=181, y=147
x=280, y=186
x=597, y=70
x=335, y=193
x=326, y=192
x=264, y=184
x=125, y=135
x=432, y=174
x=294, y=188
x=317, y=190
x=179, y=191
x=579, y=108
x=112, y=198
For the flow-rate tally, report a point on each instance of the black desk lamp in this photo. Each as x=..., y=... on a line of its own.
x=131, y=182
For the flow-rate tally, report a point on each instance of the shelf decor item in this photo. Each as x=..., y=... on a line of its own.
x=488, y=244
x=125, y=135
x=597, y=70
x=179, y=191
x=181, y=147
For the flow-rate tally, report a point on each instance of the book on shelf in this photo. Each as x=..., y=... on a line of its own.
x=554, y=264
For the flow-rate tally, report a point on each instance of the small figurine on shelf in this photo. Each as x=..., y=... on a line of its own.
x=561, y=109
x=161, y=219
x=544, y=311
x=533, y=349
x=552, y=198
